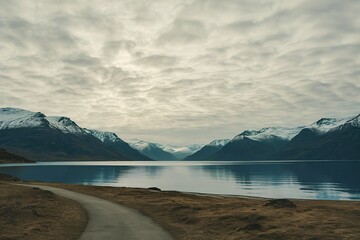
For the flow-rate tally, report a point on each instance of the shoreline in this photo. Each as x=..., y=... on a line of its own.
x=202, y=216
x=189, y=215
x=305, y=192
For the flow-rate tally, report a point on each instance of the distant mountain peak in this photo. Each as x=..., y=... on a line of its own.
x=268, y=133
x=219, y=142
x=326, y=124
x=326, y=121
x=106, y=137
x=64, y=124
x=20, y=118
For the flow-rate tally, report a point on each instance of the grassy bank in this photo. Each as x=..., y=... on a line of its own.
x=190, y=216
x=30, y=213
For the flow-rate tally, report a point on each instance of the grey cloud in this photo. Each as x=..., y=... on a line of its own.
x=81, y=60
x=178, y=70
x=183, y=32
x=158, y=61
x=112, y=48
x=168, y=70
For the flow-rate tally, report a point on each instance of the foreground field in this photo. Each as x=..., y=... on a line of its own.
x=189, y=216
x=30, y=213
x=27, y=213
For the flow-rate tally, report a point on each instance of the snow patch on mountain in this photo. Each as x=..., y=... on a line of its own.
x=106, y=137
x=66, y=125
x=141, y=145
x=326, y=124
x=219, y=142
x=180, y=151
x=269, y=133
x=19, y=118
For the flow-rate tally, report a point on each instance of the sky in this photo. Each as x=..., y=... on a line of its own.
x=181, y=72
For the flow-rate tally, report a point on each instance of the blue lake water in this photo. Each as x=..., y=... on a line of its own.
x=338, y=180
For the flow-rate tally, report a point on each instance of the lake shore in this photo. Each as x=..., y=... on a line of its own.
x=198, y=216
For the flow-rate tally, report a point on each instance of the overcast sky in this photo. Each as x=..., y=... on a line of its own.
x=181, y=71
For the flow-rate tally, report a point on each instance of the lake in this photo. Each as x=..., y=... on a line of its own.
x=332, y=180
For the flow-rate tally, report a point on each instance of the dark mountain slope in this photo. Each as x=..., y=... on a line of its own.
x=247, y=149
x=208, y=150
x=7, y=157
x=340, y=144
x=118, y=145
x=45, y=143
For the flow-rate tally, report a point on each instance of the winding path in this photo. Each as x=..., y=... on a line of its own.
x=110, y=221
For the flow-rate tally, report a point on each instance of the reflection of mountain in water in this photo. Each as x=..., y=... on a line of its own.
x=68, y=174
x=311, y=175
x=77, y=174
x=322, y=180
x=252, y=173
x=345, y=174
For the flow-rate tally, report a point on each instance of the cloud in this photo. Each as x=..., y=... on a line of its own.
x=81, y=60
x=158, y=61
x=183, y=32
x=181, y=71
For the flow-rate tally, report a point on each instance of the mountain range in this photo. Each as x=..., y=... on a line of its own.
x=208, y=150
x=49, y=138
x=163, y=152
x=39, y=137
x=325, y=139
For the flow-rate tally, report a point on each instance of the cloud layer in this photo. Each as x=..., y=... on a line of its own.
x=181, y=71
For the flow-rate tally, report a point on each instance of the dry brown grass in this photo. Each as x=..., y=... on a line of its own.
x=33, y=214
x=189, y=216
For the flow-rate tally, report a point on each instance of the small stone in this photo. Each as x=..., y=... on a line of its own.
x=155, y=189
x=280, y=203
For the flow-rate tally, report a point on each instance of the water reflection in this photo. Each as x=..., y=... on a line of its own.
x=314, y=180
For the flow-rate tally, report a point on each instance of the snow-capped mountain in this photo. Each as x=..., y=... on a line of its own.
x=219, y=142
x=208, y=150
x=39, y=137
x=305, y=142
x=11, y=118
x=180, y=152
x=176, y=152
x=118, y=145
x=106, y=137
x=326, y=124
x=256, y=144
x=19, y=118
x=152, y=150
x=269, y=133
x=64, y=124
x=326, y=139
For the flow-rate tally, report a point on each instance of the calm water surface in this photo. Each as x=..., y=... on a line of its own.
x=296, y=179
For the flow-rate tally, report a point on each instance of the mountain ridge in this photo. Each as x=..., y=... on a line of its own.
x=279, y=143
x=39, y=137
